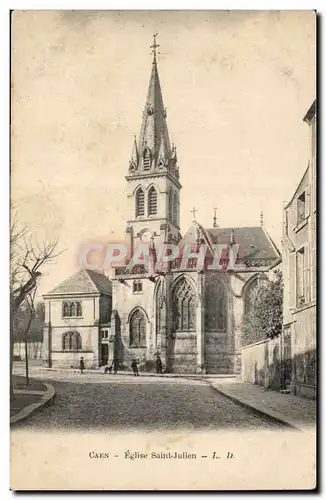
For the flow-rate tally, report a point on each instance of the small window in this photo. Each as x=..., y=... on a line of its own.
x=71, y=309
x=137, y=286
x=301, y=208
x=105, y=334
x=300, y=277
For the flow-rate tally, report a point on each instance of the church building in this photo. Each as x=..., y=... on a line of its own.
x=191, y=316
x=187, y=313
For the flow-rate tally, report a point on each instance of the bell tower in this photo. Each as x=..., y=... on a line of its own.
x=153, y=186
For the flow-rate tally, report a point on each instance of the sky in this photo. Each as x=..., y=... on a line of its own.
x=236, y=86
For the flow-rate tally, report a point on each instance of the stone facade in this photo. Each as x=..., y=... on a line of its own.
x=299, y=270
x=189, y=315
x=68, y=335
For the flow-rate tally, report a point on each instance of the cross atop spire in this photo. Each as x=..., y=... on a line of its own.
x=194, y=213
x=154, y=46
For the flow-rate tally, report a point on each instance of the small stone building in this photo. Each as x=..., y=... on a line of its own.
x=77, y=321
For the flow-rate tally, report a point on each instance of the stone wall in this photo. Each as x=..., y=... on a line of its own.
x=261, y=363
x=34, y=350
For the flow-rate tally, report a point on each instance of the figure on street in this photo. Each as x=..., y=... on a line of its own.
x=82, y=365
x=134, y=367
x=159, y=365
x=115, y=365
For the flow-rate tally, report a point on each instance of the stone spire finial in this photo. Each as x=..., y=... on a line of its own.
x=134, y=154
x=261, y=218
x=215, y=218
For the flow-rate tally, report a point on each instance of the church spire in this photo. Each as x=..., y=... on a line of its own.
x=154, y=129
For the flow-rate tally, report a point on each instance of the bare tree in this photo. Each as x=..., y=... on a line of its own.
x=27, y=261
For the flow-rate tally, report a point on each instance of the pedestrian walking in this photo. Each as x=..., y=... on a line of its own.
x=82, y=365
x=134, y=367
x=159, y=364
x=115, y=365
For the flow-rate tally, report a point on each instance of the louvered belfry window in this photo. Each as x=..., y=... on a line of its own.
x=152, y=201
x=147, y=160
x=140, y=203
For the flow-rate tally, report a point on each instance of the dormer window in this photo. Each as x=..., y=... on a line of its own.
x=147, y=160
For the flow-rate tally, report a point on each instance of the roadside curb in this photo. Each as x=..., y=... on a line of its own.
x=258, y=410
x=28, y=410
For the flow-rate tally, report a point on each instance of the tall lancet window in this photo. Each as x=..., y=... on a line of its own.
x=175, y=209
x=147, y=159
x=140, y=203
x=137, y=329
x=170, y=205
x=152, y=201
x=184, y=306
x=215, y=306
x=250, y=295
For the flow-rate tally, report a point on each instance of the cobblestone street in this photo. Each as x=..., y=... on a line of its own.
x=144, y=403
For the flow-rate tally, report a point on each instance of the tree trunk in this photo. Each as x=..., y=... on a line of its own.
x=11, y=364
x=26, y=361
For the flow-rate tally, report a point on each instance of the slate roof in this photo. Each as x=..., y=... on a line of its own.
x=83, y=281
x=255, y=241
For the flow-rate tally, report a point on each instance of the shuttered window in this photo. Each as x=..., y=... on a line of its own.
x=292, y=277
x=140, y=203
x=306, y=273
x=147, y=160
x=152, y=201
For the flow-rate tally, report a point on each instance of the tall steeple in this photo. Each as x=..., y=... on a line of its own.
x=154, y=142
x=153, y=190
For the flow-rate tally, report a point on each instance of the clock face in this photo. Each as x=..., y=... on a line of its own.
x=146, y=236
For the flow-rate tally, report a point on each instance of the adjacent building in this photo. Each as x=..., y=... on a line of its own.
x=299, y=270
x=77, y=321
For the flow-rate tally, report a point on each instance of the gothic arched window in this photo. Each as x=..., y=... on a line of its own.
x=147, y=159
x=71, y=341
x=140, y=202
x=184, y=306
x=152, y=201
x=175, y=209
x=250, y=295
x=215, y=306
x=170, y=205
x=137, y=329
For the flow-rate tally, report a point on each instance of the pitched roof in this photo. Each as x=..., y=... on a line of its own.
x=311, y=113
x=83, y=281
x=255, y=241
